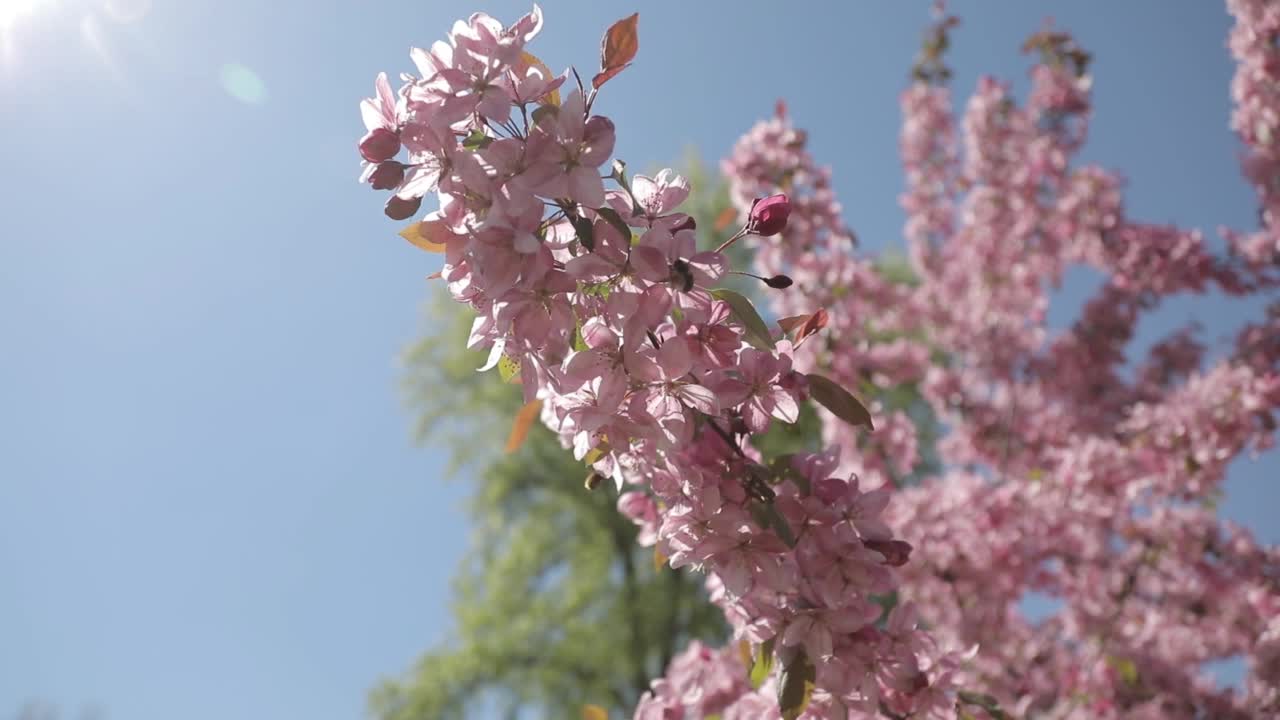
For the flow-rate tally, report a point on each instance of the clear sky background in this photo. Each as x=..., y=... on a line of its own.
x=210, y=506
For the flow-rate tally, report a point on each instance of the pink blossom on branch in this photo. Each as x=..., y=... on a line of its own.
x=1061, y=474
x=1086, y=474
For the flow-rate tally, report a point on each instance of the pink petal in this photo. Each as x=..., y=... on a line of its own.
x=784, y=406
x=699, y=398
x=674, y=358
x=650, y=263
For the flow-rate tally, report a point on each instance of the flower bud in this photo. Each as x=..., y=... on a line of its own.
x=895, y=552
x=379, y=145
x=688, y=223
x=769, y=215
x=398, y=208
x=387, y=175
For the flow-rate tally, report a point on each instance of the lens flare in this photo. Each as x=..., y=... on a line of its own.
x=11, y=11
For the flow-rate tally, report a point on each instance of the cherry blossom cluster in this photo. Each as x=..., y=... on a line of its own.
x=1065, y=475
x=1253, y=43
x=589, y=287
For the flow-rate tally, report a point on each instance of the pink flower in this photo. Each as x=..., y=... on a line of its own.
x=591, y=407
x=814, y=629
x=528, y=83
x=655, y=200
x=671, y=391
x=577, y=146
x=672, y=258
x=380, y=113
x=769, y=215
x=756, y=391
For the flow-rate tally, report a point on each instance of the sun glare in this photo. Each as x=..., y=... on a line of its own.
x=11, y=11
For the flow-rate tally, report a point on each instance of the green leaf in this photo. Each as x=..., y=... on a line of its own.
x=596, y=453
x=795, y=687
x=544, y=112
x=838, y=401
x=782, y=471
x=579, y=344
x=477, y=140
x=601, y=289
x=886, y=602
x=508, y=368
x=757, y=333
x=585, y=230
x=1124, y=667
x=761, y=664
x=984, y=701
x=612, y=217
x=767, y=515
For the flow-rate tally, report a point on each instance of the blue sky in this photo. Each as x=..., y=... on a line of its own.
x=210, y=506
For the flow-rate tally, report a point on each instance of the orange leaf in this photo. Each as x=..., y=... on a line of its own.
x=594, y=712
x=617, y=49
x=744, y=652
x=659, y=559
x=524, y=421
x=725, y=218
x=791, y=323
x=427, y=234
x=531, y=60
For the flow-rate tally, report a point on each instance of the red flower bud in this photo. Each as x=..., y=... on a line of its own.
x=400, y=209
x=379, y=145
x=769, y=215
x=895, y=552
x=387, y=175
x=687, y=224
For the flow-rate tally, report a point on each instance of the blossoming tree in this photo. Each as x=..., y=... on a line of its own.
x=849, y=594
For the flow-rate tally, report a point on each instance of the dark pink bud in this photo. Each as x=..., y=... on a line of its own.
x=895, y=552
x=400, y=209
x=778, y=282
x=379, y=145
x=769, y=215
x=687, y=224
x=387, y=175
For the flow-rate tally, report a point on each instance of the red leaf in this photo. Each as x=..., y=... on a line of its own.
x=617, y=49
x=816, y=322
